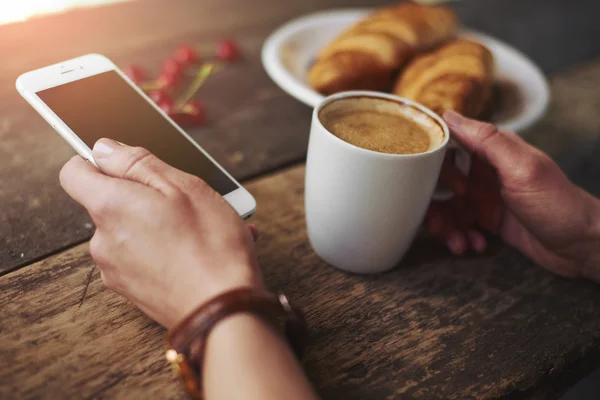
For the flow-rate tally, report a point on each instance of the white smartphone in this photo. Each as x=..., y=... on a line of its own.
x=87, y=98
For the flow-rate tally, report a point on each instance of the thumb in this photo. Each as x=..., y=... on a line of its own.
x=135, y=164
x=510, y=155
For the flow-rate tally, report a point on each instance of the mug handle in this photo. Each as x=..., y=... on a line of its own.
x=462, y=160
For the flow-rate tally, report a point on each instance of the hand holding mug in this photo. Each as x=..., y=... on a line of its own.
x=518, y=192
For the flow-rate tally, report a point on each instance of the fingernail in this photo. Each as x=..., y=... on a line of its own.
x=452, y=117
x=456, y=243
x=477, y=241
x=104, y=147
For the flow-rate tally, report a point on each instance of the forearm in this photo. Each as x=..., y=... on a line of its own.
x=246, y=358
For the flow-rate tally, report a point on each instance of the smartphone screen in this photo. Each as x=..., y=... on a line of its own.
x=105, y=105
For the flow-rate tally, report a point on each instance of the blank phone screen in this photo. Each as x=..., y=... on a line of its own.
x=105, y=105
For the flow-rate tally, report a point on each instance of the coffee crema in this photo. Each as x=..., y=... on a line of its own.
x=382, y=125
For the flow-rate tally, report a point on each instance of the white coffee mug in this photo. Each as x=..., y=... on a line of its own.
x=364, y=208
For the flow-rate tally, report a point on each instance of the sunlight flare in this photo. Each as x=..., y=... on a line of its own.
x=20, y=10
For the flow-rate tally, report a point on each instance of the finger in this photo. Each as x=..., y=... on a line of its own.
x=461, y=212
x=138, y=165
x=446, y=223
x=254, y=231
x=490, y=216
x=507, y=152
x=477, y=241
x=451, y=177
x=452, y=235
x=485, y=202
x=456, y=242
x=488, y=207
x=90, y=187
x=434, y=221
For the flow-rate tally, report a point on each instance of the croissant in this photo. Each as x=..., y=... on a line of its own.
x=458, y=76
x=369, y=54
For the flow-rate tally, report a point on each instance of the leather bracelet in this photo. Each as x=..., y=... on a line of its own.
x=186, y=342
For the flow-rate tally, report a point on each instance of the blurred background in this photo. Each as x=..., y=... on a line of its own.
x=20, y=10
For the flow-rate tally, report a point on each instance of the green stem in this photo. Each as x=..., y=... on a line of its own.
x=217, y=67
x=201, y=77
x=150, y=86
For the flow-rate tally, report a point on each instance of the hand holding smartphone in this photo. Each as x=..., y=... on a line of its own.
x=88, y=98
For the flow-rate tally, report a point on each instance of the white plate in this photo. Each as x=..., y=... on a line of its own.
x=288, y=52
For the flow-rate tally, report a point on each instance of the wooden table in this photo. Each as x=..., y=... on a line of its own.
x=438, y=327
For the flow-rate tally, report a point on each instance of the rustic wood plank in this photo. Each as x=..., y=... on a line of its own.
x=254, y=127
x=438, y=327
x=71, y=348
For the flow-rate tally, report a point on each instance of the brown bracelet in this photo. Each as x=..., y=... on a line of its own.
x=186, y=342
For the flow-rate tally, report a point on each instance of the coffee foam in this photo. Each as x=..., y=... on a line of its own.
x=381, y=105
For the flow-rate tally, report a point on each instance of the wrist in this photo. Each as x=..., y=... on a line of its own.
x=203, y=288
x=234, y=329
x=229, y=327
x=259, y=361
x=238, y=330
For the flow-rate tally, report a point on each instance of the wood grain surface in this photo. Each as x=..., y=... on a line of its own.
x=438, y=327
x=253, y=126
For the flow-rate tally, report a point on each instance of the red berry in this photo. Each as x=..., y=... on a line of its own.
x=228, y=50
x=185, y=55
x=159, y=96
x=168, y=81
x=135, y=73
x=166, y=105
x=171, y=67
